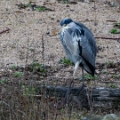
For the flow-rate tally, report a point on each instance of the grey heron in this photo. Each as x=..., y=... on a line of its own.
x=79, y=45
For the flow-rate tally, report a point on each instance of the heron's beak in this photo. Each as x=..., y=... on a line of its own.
x=57, y=30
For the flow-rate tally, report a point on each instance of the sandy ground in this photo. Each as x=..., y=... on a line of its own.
x=28, y=29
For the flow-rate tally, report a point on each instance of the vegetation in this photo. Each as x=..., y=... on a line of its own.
x=13, y=67
x=3, y=81
x=115, y=76
x=113, y=4
x=90, y=77
x=117, y=24
x=115, y=31
x=113, y=86
x=27, y=90
x=108, y=63
x=65, y=2
x=66, y=61
x=18, y=74
x=37, y=67
x=33, y=7
x=104, y=71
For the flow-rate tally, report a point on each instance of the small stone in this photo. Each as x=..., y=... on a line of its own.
x=58, y=20
x=98, y=71
x=67, y=6
x=47, y=32
x=71, y=9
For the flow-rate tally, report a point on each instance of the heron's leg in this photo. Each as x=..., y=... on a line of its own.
x=82, y=76
x=71, y=81
x=68, y=92
x=75, y=68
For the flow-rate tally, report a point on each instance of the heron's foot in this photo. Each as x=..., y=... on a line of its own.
x=81, y=89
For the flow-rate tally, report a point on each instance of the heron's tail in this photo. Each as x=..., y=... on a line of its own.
x=88, y=67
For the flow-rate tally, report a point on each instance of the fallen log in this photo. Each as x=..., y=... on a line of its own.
x=107, y=98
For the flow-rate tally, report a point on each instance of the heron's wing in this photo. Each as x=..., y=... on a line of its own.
x=89, y=36
x=85, y=50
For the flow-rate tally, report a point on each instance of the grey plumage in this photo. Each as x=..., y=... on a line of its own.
x=79, y=45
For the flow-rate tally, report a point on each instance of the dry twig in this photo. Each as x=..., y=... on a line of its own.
x=107, y=38
x=4, y=31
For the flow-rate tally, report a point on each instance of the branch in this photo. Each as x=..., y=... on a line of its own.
x=4, y=31
x=107, y=38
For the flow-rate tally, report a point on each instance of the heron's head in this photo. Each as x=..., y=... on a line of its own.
x=65, y=21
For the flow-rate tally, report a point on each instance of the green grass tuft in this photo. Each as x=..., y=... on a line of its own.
x=115, y=31
x=37, y=67
x=104, y=71
x=18, y=74
x=41, y=8
x=113, y=86
x=27, y=90
x=66, y=61
x=117, y=24
x=90, y=77
x=13, y=67
x=115, y=76
x=3, y=81
x=65, y=2
x=108, y=63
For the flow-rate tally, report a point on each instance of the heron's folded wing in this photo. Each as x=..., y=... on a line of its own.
x=85, y=48
x=89, y=35
x=87, y=52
